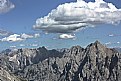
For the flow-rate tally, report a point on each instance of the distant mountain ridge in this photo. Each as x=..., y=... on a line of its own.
x=118, y=49
x=96, y=62
x=7, y=51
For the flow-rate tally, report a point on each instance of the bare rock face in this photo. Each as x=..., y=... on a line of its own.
x=6, y=76
x=94, y=63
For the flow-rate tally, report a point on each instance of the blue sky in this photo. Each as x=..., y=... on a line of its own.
x=23, y=16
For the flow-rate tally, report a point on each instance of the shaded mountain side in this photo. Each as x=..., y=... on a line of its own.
x=6, y=76
x=118, y=49
x=7, y=51
x=94, y=63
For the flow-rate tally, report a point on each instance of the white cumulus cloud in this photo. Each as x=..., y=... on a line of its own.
x=12, y=38
x=17, y=37
x=26, y=36
x=71, y=16
x=36, y=35
x=5, y=6
x=66, y=36
x=108, y=43
x=111, y=35
x=22, y=45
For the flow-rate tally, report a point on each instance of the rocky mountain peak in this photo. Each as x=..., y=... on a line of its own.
x=97, y=42
x=94, y=63
x=78, y=48
x=96, y=47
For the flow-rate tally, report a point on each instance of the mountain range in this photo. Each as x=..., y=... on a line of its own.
x=96, y=62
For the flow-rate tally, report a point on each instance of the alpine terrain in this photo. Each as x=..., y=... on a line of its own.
x=96, y=62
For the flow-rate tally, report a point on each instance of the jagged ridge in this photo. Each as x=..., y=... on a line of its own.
x=94, y=63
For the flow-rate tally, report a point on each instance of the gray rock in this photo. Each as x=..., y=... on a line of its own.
x=94, y=63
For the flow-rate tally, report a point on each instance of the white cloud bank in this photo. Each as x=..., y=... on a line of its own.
x=12, y=38
x=66, y=36
x=17, y=37
x=69, y=17
x=26, y=36
x=36, y=35
x=110, y=43
x=5, y=6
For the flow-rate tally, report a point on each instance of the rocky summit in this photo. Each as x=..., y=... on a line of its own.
x=96, y=62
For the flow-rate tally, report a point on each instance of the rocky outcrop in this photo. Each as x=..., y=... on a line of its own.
x=94, y=63
x=6, y=76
